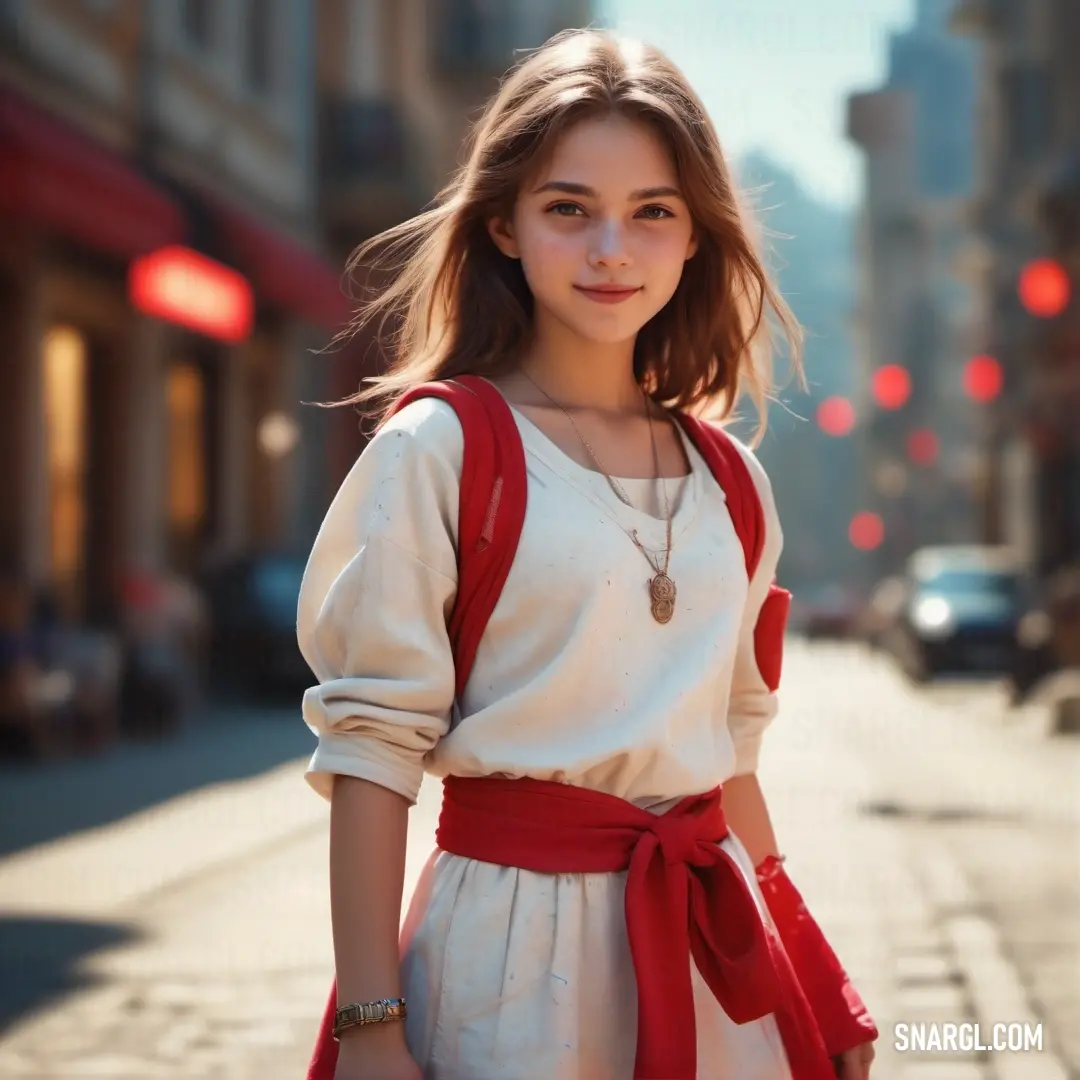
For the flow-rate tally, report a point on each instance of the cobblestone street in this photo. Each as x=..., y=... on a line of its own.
x=933, y=836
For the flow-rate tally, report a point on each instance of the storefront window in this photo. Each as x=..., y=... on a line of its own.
x=187, y=460
x=64, y=360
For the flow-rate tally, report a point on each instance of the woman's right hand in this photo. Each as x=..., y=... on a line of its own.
x=376, y=1052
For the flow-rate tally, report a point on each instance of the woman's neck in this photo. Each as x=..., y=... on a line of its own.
x=583, y=374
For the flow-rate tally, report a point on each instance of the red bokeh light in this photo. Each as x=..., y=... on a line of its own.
x=983, y=378
x=1044, y=288
x=923, y=447
x=866, y=531
x=836, y=416
x=891, y=386
x=181, y=286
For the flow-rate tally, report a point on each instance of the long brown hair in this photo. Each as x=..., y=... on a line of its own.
x=449, y=302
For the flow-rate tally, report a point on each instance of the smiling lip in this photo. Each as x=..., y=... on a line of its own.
x=608, y=294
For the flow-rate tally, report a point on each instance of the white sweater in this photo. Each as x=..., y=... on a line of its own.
x=573, y=680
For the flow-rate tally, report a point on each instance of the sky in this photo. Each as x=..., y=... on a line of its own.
x=775, y=74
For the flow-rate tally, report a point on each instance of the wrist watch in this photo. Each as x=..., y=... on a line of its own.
x=357, y=1014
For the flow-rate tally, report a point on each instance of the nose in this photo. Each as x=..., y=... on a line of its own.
x=609, y=248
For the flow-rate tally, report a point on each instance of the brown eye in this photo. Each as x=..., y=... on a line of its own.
x=655, y=213
x=565, y=209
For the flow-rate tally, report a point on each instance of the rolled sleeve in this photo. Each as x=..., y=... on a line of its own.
x=378, y=591
x=752, y=705
x=748, y=718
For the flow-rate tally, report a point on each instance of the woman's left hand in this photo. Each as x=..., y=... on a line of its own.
x=854, y=1064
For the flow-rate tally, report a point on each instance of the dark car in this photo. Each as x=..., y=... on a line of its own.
x=253, y=612
x=825, y=612
x=961, y=614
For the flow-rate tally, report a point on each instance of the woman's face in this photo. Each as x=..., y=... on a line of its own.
x=603, y=232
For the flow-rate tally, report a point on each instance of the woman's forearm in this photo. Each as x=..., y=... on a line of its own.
x=748, y=816
x=368, y=828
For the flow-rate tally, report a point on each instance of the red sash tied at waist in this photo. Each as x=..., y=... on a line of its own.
x=685, y=896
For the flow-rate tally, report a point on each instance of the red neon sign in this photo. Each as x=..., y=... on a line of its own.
x=891, y=386
x=983, y=378
x=836, y=417
x=866, y=531
x=181, y=286
x=1044, y=288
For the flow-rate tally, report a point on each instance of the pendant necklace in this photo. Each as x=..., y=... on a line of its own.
x=662, y=591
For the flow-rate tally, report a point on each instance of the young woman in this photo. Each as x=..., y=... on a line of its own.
x=591, y=261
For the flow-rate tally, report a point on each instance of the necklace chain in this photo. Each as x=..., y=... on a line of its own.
x=617, y=488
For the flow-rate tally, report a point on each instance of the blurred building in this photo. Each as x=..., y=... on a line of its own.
x=912, y=312
x=1026, y=265
x=180, y=183
x=916, y=132
x=183, y=132
x=399, y=83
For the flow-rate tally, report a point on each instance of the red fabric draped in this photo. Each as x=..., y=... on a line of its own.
x=685, y=896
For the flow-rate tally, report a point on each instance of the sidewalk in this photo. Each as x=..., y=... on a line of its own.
x=868, y=903
x=910, y=927
x=196, y=932
x=43, y=802
x=233, y=840
x=86, y=844
x=190, y=940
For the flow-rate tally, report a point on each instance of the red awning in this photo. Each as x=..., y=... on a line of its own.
x=61, y=180
x=285, y=272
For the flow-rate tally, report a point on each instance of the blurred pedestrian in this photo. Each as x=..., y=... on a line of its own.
x=532, y=585
x=35, y=696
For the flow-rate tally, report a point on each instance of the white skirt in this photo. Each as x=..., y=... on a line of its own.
x=515, y=975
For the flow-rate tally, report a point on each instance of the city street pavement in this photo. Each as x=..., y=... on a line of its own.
x=228, y=742
x=933, y=835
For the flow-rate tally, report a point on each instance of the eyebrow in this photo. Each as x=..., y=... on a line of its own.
x=569, y=188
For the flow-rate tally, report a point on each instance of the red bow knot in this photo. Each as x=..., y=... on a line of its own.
x=685, y=896
x=679, y=839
